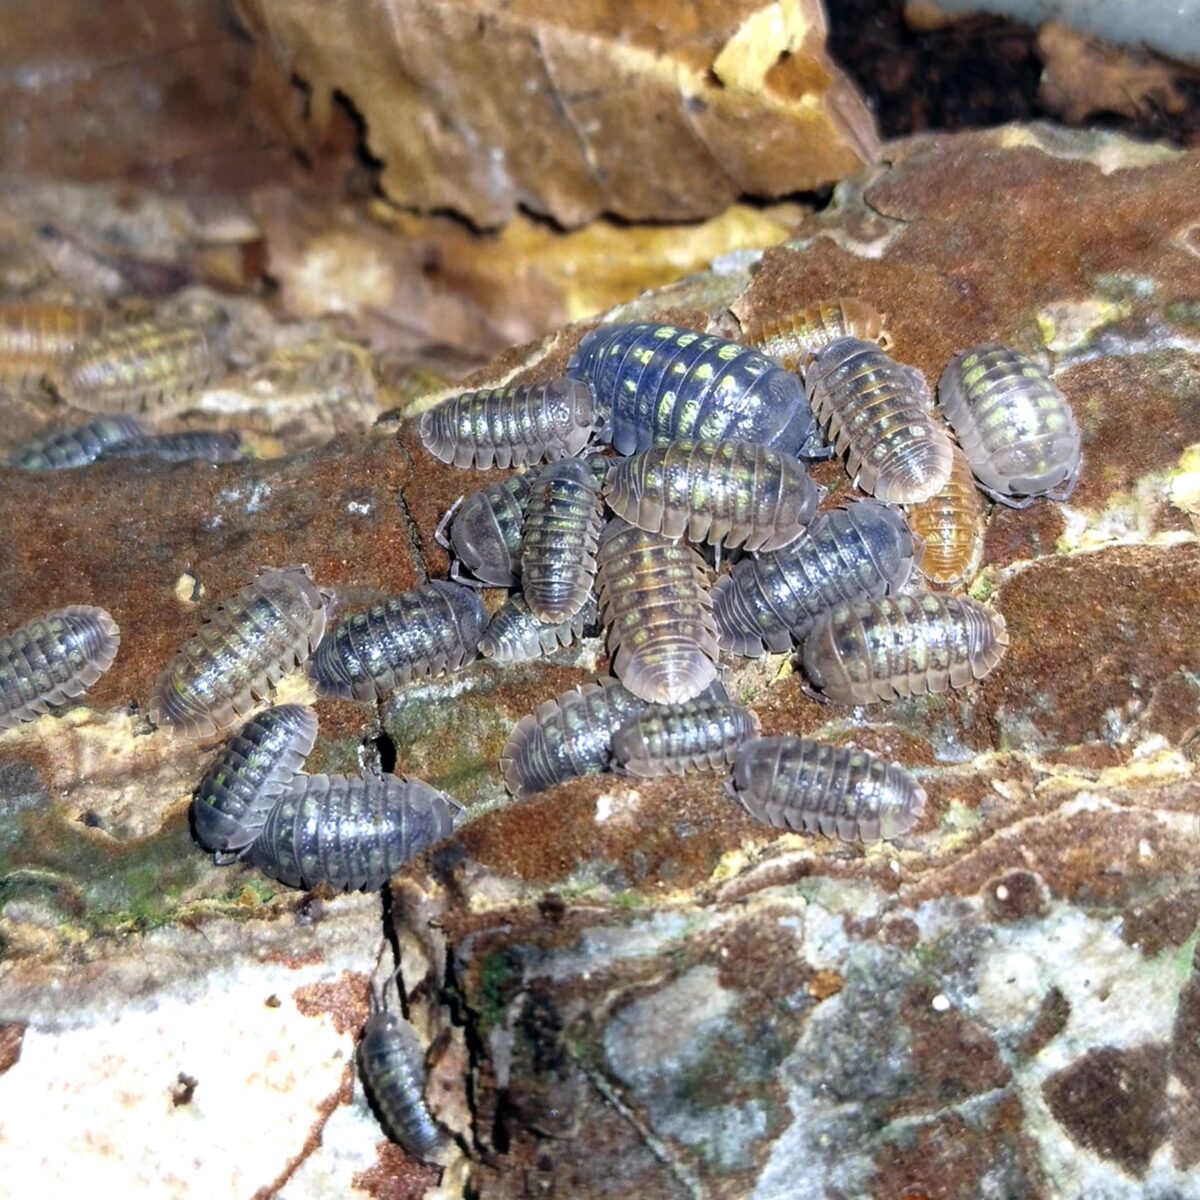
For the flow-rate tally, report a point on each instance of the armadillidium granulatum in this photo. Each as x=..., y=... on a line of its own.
x=392, y=1062
x=77, y=446
x=950, y=527
x=702, y=734
x=516, y=634
x=485, y=533
x=192, y=445
x=37, y=338
x=795, y=338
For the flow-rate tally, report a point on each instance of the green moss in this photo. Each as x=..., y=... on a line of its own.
x=1184, y=313
x=498, y=972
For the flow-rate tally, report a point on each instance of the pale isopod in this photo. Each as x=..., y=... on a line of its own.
x=515, y=634
x=950, y=526
x=36, y=338
x=670, y=739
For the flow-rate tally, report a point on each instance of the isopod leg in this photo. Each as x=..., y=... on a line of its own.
x=439, y=534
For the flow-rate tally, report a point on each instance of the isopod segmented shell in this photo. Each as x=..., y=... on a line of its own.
x=670, y=739
x=882, y=649
x=485, y=533
x=349, y=832
x=515, y=634
x=1015, y=427
x=877, y=413
x=77, y=446
x=811, y=787
x=863, y=549
x=655, y=603
x=428, y=631
x=563, y=517
x=726, y=492
x=192, y=445
x=246, y=779
x=510, y=426
x=793, y=339
x=251, y=640
x=661, y=382
x=950, y=526
x=392, y=1062
x=37, y=338
x=54, y=658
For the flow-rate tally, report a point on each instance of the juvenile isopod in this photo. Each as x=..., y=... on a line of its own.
x=730, y=492
x=881, y=649
x=1015, y=427
x=77, y=446
x=793, y=339
x=192, y=445
x=351, y=833
x=52, y=659
x=510, y=426
x=485, y=532
x=515, y=634
x=811, y=787
x=36, y=338
x=655, y=603
x=703, y=734
x=863, y=549
x=563, y=517
x=878, y=413
x=245, y=780
x=661, y=382
x=250, y=642
x=950, y=525
x=428, y=631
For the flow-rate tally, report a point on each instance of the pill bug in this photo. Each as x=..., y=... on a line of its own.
x=352, y=833
x=878, y=413
x=77, y=446
x=192, y=445
x=863, y=549
x=1015, y=427
x=510, y=426
x=661, y=382
x=251, y=640
x=655, y=602
x=794, y=338
x=727, y=492
x=485, y=532
x=391, y=1060
x=881, y=649
x=811, y=787
x=563, y=517
x=515, y=634
x=670, y=739
x=244, y=781
x=148, y=364
x=428, y=631
x=950, y=525
x=54, y=658
x=36, y=338
x=567, y=737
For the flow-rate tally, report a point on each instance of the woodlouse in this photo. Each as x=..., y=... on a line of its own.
x=878, y=413
x=563, y=517
x=727, y=492
x=793, y=339
x=350, y=833
x=392, y=1062
x=510, y=426
x=811, y=787
x=661, y=382
x=428, y=631
x=192, y=445
x=37, y=338
x=485, y=532
x=670, y=739
x=567, y=737
x=77, y=446
x=251, y=640
x=881, y=649
x=950, y=526
x=516, y=634
x=655, y=602
x=863, y=549
x=246, y=779
x=1015, y=427
x=54, y=658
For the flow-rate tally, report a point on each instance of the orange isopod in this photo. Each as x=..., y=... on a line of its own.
x=794, y=339
x=950, y=524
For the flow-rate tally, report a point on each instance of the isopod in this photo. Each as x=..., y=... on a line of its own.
x=428, y=631
x=811, y=787
x=863, y=549
x=148, y=364
x=352, y=833
x=392, y=1062
x=77, y=446
x=880, y=649
x=250, y=642
x=36, y=338
x=485, y=532
x=563, y=517
x=1015, y=427
x=950, y=524
x=54, y=658
x=877, y=413
x=515, y=634
x=661, y=382
x=510, y=426
x=670, y=739
x=246, y=779
x=655, y=602
x=567, y=737
x=726, y=492
x=192, y=445
x=793, y=339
